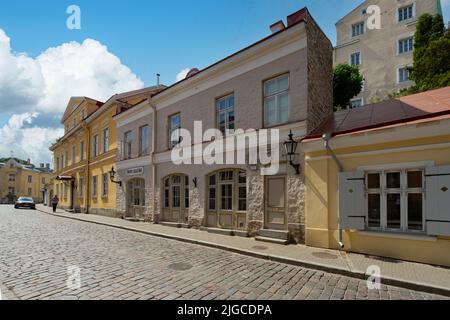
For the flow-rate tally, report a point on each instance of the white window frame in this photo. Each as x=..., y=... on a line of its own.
x=226, y=112
x=95, y=146
x=128, y=146
x=356, y=99
x=276, y=95
x=94, y=186
x=171, y=129
x=398, y=75
x=403, y=168
x=360, y=58
x=105, y=133
x=357, y=24
x=400, y=46
x=81, y=150
x=403, y=7
x=105, y=185
x=144, y=149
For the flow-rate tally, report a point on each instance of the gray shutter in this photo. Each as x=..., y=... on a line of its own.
x=438, y=200
x=352, y=200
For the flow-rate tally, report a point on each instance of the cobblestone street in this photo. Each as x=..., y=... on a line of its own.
x=37, y=249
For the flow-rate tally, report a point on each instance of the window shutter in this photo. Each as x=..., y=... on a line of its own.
x=438, y=200
x=352, y=200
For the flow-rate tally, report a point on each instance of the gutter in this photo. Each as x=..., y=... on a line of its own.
x=152, y=155
x=326, y=142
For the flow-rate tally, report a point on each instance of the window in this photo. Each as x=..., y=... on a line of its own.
x=405, y=45
x=94, y=186
x=74, y=154
x=74, y=122
x=12, y=177
x=81, y=150
x=395, y=200
x=176, y=192
x=65, y=190
x=57, y=163
x=276, y=100
x=62, y=161
x=225, y=114
x=174, y=130
x=136, y=189
x=11, y=191
x=143, y=140
x=80, y=186
x=95, y=146
x=355, y=59
x=30, y=191
x=128, y=144
x=357, y=29
x=30, y=179
x=356, y=103
x=82, y=115
x=105, y=140
x=406, y=13
x=43, y=180
x=66, y=158
x=403, y=74
x=105, y=185
x=232, y=191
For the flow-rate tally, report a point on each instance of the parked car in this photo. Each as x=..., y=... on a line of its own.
x=24, y=202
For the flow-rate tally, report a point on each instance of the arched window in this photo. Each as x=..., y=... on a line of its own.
x=227, y=199
x=176, y=198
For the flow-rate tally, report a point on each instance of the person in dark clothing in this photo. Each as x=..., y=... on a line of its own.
x=55, y=201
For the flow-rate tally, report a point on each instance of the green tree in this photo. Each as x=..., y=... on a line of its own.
x=347, y=83
x=431, y=68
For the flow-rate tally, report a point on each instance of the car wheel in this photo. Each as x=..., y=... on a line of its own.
x=16, y=207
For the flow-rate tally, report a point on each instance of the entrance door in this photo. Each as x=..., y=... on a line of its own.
x=136, y=197
x=176, y=198
x=275, y=203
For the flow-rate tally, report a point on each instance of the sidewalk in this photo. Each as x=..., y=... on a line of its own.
x=409, y=275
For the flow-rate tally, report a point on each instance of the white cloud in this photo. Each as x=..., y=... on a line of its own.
x=27, y=142
x=182, y=74
x=40, y=88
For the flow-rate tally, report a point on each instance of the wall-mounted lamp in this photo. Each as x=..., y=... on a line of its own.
x=290, y=147
x=195, y=181
x=112, y=175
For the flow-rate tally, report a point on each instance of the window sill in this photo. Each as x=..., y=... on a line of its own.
x=403, y=236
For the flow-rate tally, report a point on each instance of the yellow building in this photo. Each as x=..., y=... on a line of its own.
x=378, y=179
x=85, y=156
x=23, y=179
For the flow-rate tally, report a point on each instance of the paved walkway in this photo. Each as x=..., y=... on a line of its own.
x=393, y=272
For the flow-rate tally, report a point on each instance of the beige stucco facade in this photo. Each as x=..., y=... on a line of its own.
x=380, y=57
x=193, y=195
x=23, y=180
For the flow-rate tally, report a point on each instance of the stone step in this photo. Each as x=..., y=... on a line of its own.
x=276, y=234
x=133, y=219
x=173, y=224
x=227, y=232
x=272, y=240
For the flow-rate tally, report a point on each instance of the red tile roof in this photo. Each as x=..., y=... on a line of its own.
x=425, y=105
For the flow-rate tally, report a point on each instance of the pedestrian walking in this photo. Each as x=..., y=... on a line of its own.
x=55, y=201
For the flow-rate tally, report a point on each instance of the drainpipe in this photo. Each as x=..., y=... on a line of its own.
x=87, y=196
x=326, y=142
x=152, y=157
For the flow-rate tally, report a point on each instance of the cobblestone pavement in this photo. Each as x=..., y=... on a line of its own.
x=37, y=249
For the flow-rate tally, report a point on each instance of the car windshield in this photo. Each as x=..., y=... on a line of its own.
x=26, y=199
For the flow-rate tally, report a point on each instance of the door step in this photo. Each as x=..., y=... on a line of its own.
x=226, y=232
x=173, y=224
x=276, y=234
x=132, y=219
x=272, y=240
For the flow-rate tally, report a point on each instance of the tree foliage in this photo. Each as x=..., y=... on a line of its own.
x=347, y=83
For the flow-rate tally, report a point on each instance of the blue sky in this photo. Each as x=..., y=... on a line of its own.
x=147, y=36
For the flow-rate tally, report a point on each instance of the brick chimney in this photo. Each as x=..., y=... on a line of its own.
x=298, y=16
x=277, y=27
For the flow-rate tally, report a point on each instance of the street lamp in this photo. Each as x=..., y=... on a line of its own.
x=112, y=175
x=290, y=146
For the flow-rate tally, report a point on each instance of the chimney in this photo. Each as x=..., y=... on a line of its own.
x=277, y=27
x=301, y=15
x=157, y=79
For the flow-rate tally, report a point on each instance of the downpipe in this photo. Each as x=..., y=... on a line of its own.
x=326, y=142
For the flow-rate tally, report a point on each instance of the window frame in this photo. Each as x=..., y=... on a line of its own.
x=95, y=149
x=404, y=190
x=105, y=185
x=128, y=144
x=94, y=186
x=400, y=45
x=398, y=74
x=227, y=111
x=146, y=151
x=413, y=12
x=276, y=95
x=363, y=31
x=171, y=130
x=105, y=140
x=360, y=58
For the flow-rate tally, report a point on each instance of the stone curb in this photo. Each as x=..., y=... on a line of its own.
x=297, y=262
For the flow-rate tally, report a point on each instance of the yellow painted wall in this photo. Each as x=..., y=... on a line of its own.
x=322, y=202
